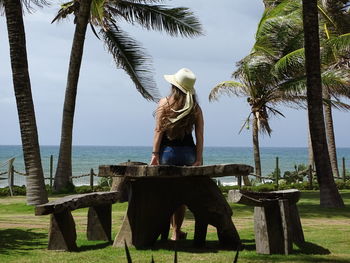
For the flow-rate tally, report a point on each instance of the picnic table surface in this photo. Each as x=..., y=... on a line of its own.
x=144, y=170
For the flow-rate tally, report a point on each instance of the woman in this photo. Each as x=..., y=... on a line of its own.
x=176, y=117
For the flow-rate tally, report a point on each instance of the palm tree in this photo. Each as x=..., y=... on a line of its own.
x=36, y=193
x=336, y=23
x=127, y=53
x=329, y=195
x=257, y=84
x=261, y=92
x=64, y=167
x=289, y=67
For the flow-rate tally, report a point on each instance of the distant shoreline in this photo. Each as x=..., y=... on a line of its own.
x=210, y=146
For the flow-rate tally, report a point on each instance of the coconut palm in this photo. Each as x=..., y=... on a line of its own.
x=36, y=193
x=329, y=194
x=104, y=18
x=262, y=95
x=332, y=61
x=256, y=82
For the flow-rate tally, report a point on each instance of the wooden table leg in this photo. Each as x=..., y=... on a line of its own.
x=99, y=223
x=62, y=234
x=200, y=232
x=148, y=215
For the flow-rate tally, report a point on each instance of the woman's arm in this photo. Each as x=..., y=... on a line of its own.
x=158, y=134
x=199, y=130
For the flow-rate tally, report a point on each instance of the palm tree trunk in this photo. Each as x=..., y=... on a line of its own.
x=64, y=164
x=310, y=151
x=329, y=195
x=256, y=147
x=330, y=134
x=36, y=192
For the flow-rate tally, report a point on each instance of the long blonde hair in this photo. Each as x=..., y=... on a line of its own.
x=177, y=130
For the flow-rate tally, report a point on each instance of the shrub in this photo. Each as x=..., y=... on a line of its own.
x=105, y=181
x=16, y=190
x=83, y=189
x=69, y=189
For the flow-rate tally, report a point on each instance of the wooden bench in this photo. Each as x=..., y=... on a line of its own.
x=155, y=192
x=62, y=233
x=276, y=219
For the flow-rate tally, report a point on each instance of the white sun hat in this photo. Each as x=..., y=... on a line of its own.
x=184, y=80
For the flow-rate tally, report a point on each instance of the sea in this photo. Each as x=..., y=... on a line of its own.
x=85, y=158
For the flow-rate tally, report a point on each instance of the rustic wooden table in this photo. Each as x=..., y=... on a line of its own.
x=155, y=192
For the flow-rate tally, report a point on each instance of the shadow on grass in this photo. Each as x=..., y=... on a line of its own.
x=94, y=246
x=211, y=246
x=19, y=241
x=309, y=248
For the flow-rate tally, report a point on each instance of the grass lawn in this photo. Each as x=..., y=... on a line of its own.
x=23, y=237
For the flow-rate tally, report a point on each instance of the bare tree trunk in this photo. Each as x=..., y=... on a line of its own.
x=36, y=192
x=330, y=134
x=256, y=147
x=329, y=195
x=64, y=163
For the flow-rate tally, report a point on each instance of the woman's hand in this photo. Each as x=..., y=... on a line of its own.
x=154, y=159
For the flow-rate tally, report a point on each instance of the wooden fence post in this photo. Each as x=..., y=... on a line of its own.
x=92, y=179
x=12, y=181
x=277, y=171
x=310, y=176
x=344, y=170
x=10, y=173
x=239, y=181
x=51, y=169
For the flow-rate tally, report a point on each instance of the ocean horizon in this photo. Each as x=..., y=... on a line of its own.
x=86, y=157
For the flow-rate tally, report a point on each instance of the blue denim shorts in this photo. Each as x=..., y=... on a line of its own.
x=178, y=155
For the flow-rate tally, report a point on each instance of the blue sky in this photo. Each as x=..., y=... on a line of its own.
x=109, y=110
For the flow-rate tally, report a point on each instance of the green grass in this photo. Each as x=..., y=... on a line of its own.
x=23, y=237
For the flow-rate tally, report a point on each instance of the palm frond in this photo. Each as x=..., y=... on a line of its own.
x=290, y=63
x=337, y=104
x=65, y=10
x=324, y=13
x=280, y=31
x=295, y=85
x=225, y=87
x=337, y=82
x=246, y=123
x=38, y=3
x=94, y=31
x=142, y=1
x=340, y=43
x=282, y=9
x=175, y=21
x=97, y=12
x=129, y=55
x=263, y=122
x=275, y=111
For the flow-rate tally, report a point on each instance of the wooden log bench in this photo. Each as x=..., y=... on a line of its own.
x=155, y=192
x=276, y=219
x=62, y=233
